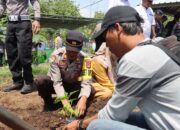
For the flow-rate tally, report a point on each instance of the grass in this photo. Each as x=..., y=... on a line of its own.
x=5, y=74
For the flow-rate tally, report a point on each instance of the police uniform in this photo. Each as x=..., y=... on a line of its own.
x=64, y=75
x=19, y=40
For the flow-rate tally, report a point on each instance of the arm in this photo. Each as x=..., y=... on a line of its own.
x=117, y=108
x=2, y=7
x=37, y=15
x=83, y=96
x=85, y=88
x=173, y=30
x=153, y=24
x=153, y=31
x=55, y=74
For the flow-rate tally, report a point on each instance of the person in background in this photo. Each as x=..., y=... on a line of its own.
x=19, y=41
x=164, y=18
x=171, y=24
x=159, y=24
x=176, y=30
x=146, y=12
x=64, y=75
x=147, y=78
x=103, y=70
x=58, y=41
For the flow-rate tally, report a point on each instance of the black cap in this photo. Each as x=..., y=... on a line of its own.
x=116, y=14
x=74, y=41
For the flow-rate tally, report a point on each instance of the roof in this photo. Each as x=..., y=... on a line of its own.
x=165, y=1
x=69, y=22
x=60, y=21
x=167, y=6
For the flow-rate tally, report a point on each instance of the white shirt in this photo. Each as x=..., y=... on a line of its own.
x=149, y=20
x=113, y=3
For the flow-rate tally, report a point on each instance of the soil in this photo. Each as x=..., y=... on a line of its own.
x=29, y=108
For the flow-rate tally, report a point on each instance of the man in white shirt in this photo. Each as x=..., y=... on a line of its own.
x=146, y=12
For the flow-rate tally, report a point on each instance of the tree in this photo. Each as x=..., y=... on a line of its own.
x=59, y=7
x=99, y=15
x=55, y=7
x=89, y=29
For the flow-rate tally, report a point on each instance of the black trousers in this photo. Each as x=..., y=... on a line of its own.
x=1, y=59
x=19, y=51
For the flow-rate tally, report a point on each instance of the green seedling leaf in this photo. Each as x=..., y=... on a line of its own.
x=71, y=93
x=67, y=110
x=59, y=99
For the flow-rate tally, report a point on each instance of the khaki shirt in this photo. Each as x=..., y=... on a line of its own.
x=61, y=70
x=19, y=7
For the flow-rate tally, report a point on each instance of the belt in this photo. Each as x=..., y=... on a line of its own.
x=15, y=18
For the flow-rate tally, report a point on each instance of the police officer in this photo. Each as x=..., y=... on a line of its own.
x=19, y=42
x=65, y=75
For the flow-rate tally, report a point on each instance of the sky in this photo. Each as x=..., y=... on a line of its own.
x=101, y=6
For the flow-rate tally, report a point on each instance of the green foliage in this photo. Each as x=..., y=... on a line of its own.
x=5, y=74
x=3, y=22
x=39, y=38
x=67, y=110
x=39, y=57
x=59, y=7
x=99, y=15
x=89, y=29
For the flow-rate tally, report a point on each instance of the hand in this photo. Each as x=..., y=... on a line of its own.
x=36, y=26
x=68, y=110
x=72, y=126
x=65, y=102
x=81, y=105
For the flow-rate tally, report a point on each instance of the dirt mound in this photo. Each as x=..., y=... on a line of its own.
x=30, y=108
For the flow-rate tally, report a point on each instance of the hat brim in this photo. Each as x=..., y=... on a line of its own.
x=99, y=34
x=70, y=48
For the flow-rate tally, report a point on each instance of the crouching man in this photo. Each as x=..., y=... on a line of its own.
x=65, y=76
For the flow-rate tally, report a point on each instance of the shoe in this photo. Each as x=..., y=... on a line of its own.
x=27, y=88
x=15, y=86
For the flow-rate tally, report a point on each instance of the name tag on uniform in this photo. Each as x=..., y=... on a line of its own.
x=13, y=18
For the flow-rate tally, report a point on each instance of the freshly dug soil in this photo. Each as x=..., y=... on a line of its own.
x=30, y=108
